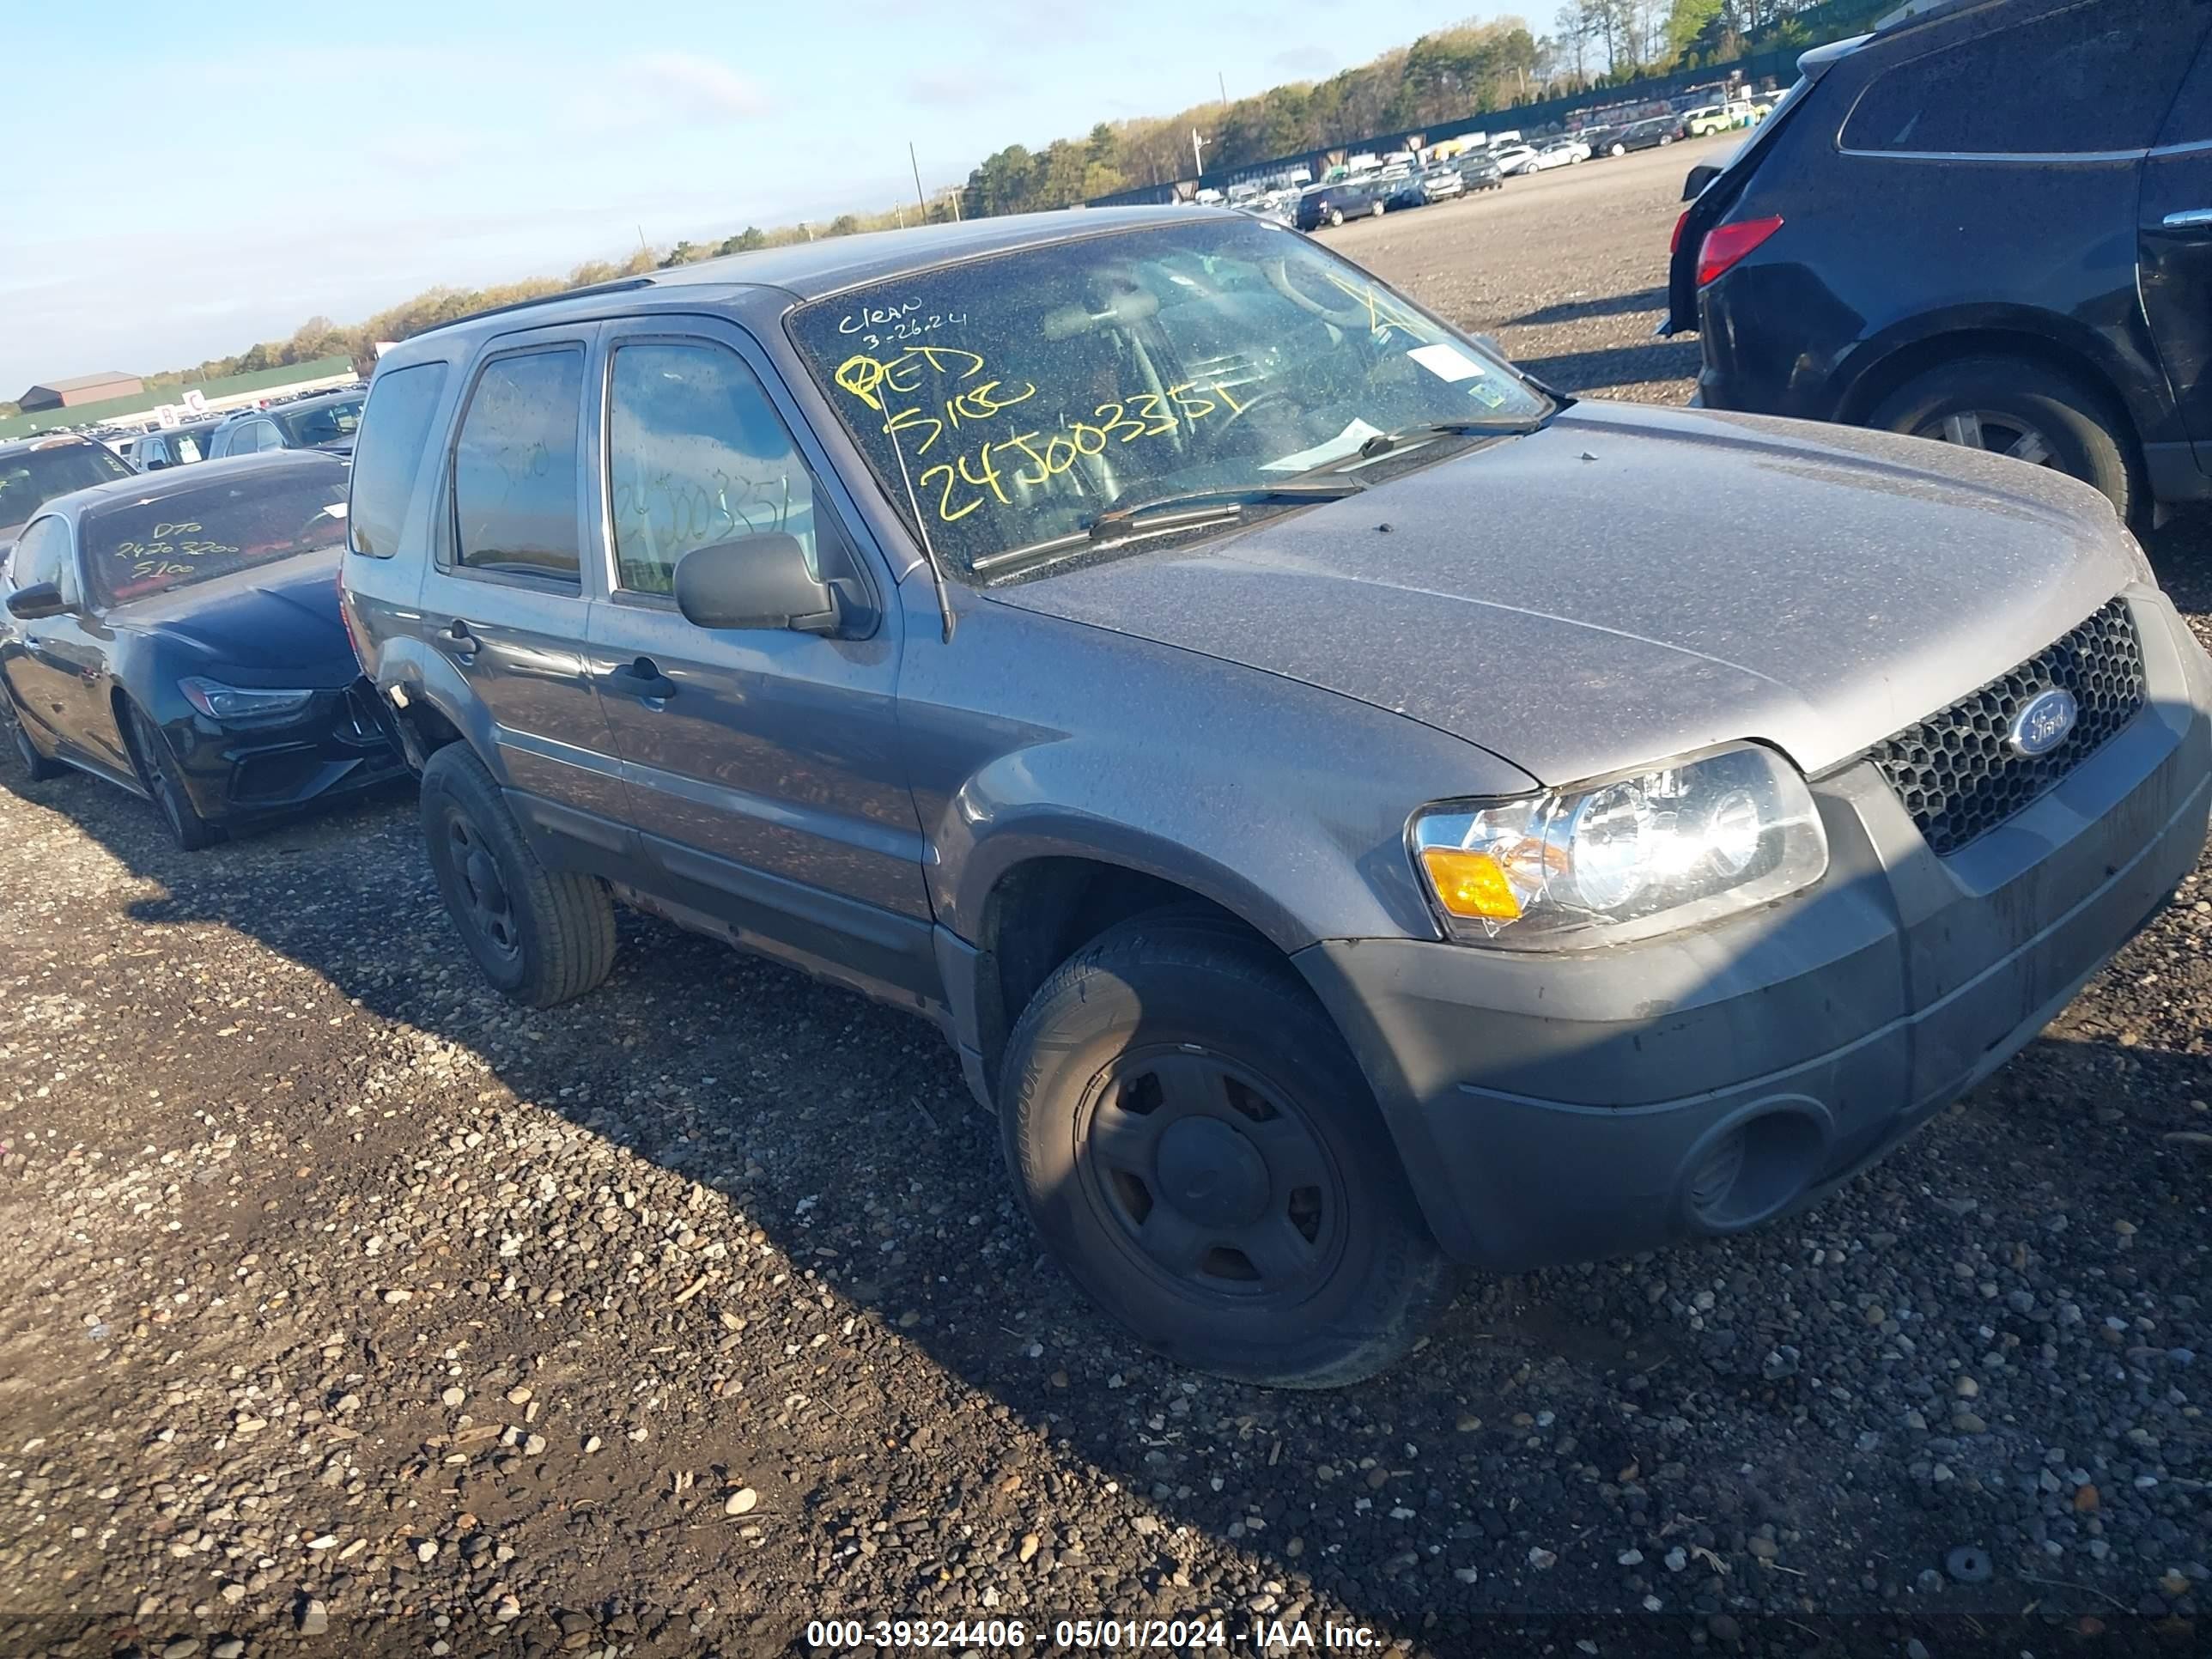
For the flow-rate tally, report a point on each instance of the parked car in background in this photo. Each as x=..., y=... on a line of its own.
x=1712, y=118
x=2057, y=305
x=1299, y=949
x=1478, y=171
x=1600, y=139
x=1348, y=198
x=1653, y=132
x=1514, y=160
x=33, y=471
x=326, y=422
x=1424, y=185
x=175, y=445
x=179, y=637
x=1560, y=152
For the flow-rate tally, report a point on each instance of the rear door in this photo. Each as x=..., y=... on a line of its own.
x=763, y=765
x=2177, y=264
x=508, y=599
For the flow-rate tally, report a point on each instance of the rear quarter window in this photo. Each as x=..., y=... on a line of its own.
x=2095, y=77
x=389, y=451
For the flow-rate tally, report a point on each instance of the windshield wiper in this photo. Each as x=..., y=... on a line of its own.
x=1383, y=442
x=1166, y=515
x=1169, y=512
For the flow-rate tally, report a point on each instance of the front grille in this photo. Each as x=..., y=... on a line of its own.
x=1955, y=772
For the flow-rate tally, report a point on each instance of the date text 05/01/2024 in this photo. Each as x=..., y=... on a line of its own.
x=1262, y=1635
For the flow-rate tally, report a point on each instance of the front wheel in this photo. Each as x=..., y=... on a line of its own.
x=1195, y=1143
x=1620, y=149
x=2024, y=410
x=36, y=767
x=164, y=782
x=541, y=937
x=1377, y=211
x=1335, y=217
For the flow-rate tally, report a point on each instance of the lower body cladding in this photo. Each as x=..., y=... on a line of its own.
x=339, y=745
x=1566, y=1107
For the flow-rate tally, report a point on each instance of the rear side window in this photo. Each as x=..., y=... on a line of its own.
x=515, y=467
x=695, y=457
x=2096, y=76
x=387, y=457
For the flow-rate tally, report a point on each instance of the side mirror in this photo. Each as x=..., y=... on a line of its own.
x=155, y=465
x=755, y=581
x=39, y=599
x=1700, y=175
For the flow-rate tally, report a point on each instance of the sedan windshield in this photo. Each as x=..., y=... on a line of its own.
x=322, y=423
x=1011, y=401
x=180, y=537
x=30, y=478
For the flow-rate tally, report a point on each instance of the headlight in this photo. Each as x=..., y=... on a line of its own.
x=234, y=703
x=1624, y=859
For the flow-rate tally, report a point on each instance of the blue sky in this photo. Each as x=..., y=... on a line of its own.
x=263, y=161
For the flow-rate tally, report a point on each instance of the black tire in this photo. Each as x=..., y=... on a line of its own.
x=2037, y=414
x=165, y=785
x=1173, y=1048
x=542, y=938
x=36, y=767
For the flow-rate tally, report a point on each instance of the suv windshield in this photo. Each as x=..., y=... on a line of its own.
x=187, y=536
x=1011, y=400
x=324, y=423
x=30, y=478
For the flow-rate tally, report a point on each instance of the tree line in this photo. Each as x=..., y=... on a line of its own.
x=1442, y=75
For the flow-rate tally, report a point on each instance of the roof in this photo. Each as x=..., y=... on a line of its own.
x=807, y=271
x=292, y=407
x=84, y=382
x=143, y=487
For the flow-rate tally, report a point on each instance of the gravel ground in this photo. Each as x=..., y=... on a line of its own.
x=346, y=1309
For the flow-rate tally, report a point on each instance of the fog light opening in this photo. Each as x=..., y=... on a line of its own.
x=1752, y=1169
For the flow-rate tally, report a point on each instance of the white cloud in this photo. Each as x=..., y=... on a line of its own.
x=701, y=89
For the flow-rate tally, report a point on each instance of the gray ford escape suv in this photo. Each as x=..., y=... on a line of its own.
x=1347, y=808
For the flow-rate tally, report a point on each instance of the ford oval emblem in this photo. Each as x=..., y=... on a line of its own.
x=2044, y=724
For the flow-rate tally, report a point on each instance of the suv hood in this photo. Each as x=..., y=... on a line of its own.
x=1630, y=584
x=276, y=622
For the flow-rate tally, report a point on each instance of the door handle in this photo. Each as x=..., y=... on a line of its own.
x=2189, y=219
x=643, y=680
x=459, y=643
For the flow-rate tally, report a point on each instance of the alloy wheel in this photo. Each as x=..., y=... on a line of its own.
x=1211, y=1176
x=1998, y=433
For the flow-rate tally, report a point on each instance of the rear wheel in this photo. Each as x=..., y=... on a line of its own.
x=1335, y=216
x=542, y=938
x=164, y=782
x=1377, y=209
x=2022, y=409
x=1195, y=1143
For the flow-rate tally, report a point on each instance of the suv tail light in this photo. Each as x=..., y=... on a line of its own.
x=1726, y=246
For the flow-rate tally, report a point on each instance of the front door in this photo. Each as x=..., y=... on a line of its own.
x=763, y=765
x=57, y=666
x=2177, y=258
x=508, y=600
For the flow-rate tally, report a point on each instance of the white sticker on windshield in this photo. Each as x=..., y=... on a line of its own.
x=1447, y=362
x=1329, y=449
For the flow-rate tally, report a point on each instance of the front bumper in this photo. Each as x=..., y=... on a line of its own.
x=341, y=744
x=1567, y=1107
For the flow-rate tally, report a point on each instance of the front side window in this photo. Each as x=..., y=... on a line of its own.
x=1010, y=401
x=180, y=537
x=41, y=555
x=29, y=479
x=2095, y=78
x=389, y=456
x=696, y=456
x=515, y=467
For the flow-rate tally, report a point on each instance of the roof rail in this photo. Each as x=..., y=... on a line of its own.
x=620, y=285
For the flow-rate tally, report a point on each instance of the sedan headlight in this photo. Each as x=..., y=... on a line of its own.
x=1623, y=858
x=236, y=704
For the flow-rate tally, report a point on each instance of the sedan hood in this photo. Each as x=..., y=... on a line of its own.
x=275, y=623
x=1631, y=584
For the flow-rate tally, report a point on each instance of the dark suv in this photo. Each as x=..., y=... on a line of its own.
x=1217, y=693
x=1990, y=224
x=325, y=423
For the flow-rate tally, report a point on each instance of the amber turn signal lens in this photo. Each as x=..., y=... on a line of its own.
x=1470, y=885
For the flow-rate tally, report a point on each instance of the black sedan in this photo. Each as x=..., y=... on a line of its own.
x=178, y=634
